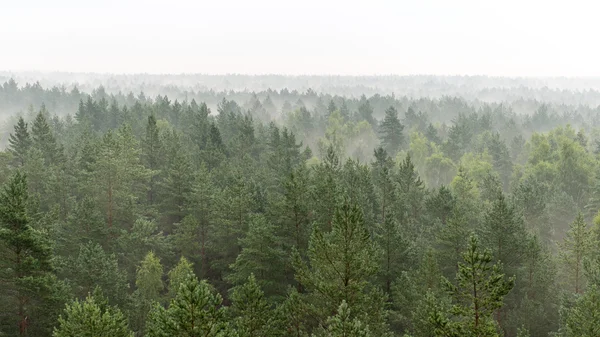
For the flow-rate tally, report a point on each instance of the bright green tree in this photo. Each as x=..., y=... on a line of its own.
x=91, y=319
x=195, y=311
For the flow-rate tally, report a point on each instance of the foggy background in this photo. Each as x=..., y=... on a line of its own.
x=508, y=38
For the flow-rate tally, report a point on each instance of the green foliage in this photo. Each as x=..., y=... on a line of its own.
x=341, y=263
x=251, y=312
x=262, y=256
x=195, y=311
x=19, y=142
x=391, y=129
x=479, y=291
x=26, y=268
x=91, y=319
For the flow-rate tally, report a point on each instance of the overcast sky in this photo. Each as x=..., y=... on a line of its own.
x=458, y=37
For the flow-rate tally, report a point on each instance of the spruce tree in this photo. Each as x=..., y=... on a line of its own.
x=19, y=143
x=390, y=131
x=151, y=156
x=43, y=138
x=262, y=257
x=26, y=269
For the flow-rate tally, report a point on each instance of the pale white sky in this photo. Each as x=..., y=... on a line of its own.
x=506, y=38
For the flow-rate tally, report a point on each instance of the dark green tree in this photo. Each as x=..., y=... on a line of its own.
x=26, y=268
x=479, y=291
x=252, y=314
x=19, y=143
x=390, y=131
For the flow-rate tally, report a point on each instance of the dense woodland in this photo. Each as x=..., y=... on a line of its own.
x=298, y=213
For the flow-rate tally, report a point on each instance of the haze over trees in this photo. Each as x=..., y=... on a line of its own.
x=148, y=208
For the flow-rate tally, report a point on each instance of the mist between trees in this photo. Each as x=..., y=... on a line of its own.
x=343, y=210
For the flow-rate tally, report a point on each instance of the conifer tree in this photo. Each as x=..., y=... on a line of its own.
x=479, y=291
x=19, y=143
x=574, y=248
x=343, y=325
x=391, y=129
x=411, y=198
x=43, y=138
x=89, y=318
x=26, y=269
x=341, y=263
x=149, y=287
x=293, y=314
x=178, y=275
x=151, y=155
x=261, y=258
x=384, y=186
x=93, y=267
x=252, y=314
x=395, y=250
x=195, y=311
x=365, y=111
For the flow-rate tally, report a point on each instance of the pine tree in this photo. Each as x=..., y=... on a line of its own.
x=383, y=182
x=479, y=291
x=151, y=155
x=91, y=319
x=178, y=275
x=326, y=189
x=43, y=138
x=93, y=267
x=19, y=143
x=252, y=314
x=149, y=287
x=295, y=211
x=365, y=111
x=391, y=132
x=411, y=198
x=409, y=292
x=504, y=233
x=195, y=311
x=149, y=277
x=343, y=325
x=331, y=107
x=293, y=313
x=583, y=320
x=261, y=256
x=574, y=248
x=27, y=272
x=395, y=248
x=341, y=263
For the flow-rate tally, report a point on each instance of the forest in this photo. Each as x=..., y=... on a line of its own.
x=240, y=206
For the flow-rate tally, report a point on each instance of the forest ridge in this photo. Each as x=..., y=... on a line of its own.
x=141, y=205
